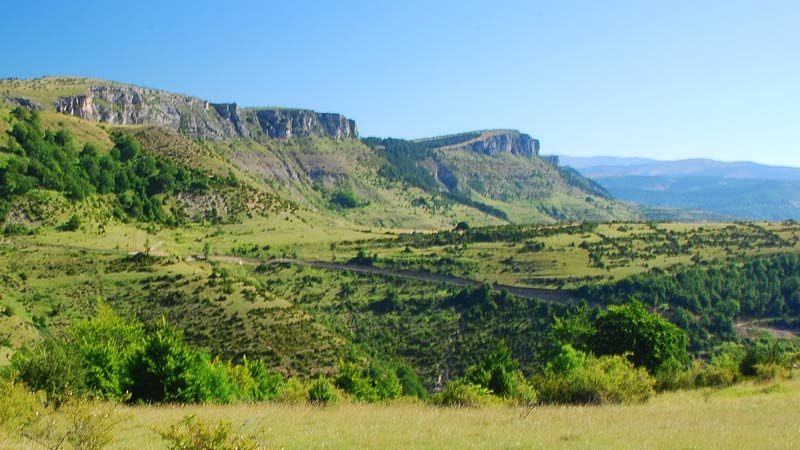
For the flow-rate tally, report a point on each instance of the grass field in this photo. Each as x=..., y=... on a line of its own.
x=742, y=417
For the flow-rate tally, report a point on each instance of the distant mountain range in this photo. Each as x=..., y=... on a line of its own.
x=736, y=190
x=604, y=167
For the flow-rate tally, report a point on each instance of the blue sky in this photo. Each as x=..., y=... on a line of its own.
x=663, y=79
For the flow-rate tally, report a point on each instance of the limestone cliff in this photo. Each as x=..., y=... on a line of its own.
x=289, y=123
x=200, y=119
x=506, y=141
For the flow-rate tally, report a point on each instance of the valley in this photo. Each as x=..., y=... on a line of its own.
x=273, y=255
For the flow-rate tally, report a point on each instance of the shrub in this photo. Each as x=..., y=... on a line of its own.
x=576, y=377
x=193, y=434
x=293, y=391
x=650, y=340
x=345, y=198
x=410, y=382
x=72, y=224
x=167, y=370
x=387, y=385
x=53, y=367
x=677, y=378
x=15, y=229
x=81, y=425
x=107, y=344
x=18, y=407
x=500, y=374
x=376, y=383
x=266, y=385
x=353, y=381
x=212, y=382
x=463, y=393
x=323, y=392
x=772, y=371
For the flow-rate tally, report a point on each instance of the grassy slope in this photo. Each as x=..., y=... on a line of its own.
x=45, y=91
x=564, y=261
x=308, y=170
x=742, y=417
x=303, y=319
x=305, y=171
x=528, y=189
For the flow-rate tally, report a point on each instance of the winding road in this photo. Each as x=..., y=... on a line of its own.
x=547, y=295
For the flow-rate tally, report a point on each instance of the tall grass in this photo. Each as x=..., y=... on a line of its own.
x=742, y=417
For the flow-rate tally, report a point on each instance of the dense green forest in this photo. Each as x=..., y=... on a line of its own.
x=707, y=299
x=44, y=159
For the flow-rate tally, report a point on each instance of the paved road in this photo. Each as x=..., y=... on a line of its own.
x=547, y=295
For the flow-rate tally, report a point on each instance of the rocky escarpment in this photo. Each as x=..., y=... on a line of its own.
x=197, y=118
x=24, y=102
x=289, y=123
x=511, y=141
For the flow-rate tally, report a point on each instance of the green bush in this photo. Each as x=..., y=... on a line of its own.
x=72, y=224
x=18, y=407
x=384, y=379
x=167, y=370
x=266, y=385
x=293, y=390
x=650, y=340
x=576, y=377
x=323, y=392
x=346, y=198
x=16, y=229
x=500, y=374
x=410, y=382
x=723, y=369
x=373, y=384
x=107, y=345
x=355, y=382
x=771, y=372
x=53, y=367
x=193, y=434
x=462, y=393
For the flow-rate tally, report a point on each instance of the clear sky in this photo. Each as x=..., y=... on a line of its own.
x=663, y=79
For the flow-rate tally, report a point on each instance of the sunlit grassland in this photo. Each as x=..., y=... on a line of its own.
x=46, y=90
x=83, y=131
x=742, y=417
x=627, y=248
x=565, y=259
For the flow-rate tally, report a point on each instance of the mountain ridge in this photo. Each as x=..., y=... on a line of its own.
x=124, y=104
x=318, y=161
x=602, y=167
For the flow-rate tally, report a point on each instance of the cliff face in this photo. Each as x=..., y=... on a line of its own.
x=289, y=123
x=132, y=105
x=512, y=142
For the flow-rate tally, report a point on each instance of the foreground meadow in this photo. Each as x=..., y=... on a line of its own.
x=747, y=416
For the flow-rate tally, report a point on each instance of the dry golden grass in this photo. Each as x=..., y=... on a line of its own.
x=754, y=416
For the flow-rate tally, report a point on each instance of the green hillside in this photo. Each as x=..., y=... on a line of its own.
x=323, y=167
x=317, y=249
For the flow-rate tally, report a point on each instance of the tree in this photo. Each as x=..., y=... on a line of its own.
x=653, y=342
x=167, y=369
x=107, y=345
x=72, y=224
x=53, y=367
x=500, y=374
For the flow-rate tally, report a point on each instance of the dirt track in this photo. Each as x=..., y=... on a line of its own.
x=547, y=295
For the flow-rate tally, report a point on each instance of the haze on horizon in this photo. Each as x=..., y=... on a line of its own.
x=661, y=80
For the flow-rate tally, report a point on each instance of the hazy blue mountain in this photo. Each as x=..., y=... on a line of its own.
x=744, y=198
x=740, y=190
x=601, y=167
x=581, y=162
